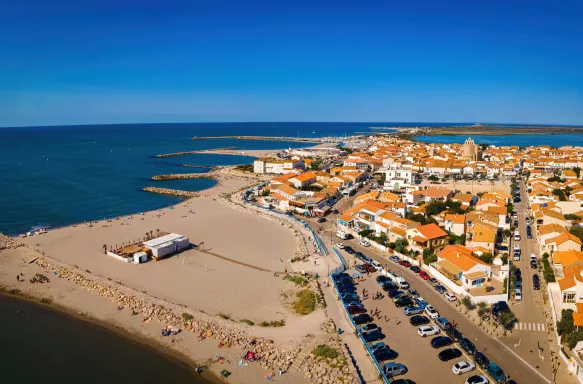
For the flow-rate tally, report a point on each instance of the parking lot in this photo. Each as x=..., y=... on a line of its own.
x=413, y=351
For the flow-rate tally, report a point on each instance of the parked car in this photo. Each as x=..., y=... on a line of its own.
x=403, y=302
x=450, y=296
x=441, y=341
x=433, y=281
x=424, y=275
x=372, y=336
x=394, y=292
x=401, y=294
x=415, y=268
x=377, y=346
x=454, y=334
x=365, y=243
x=442, y=323
x=477, y=379
x=496, y=373
x=370, y=327
x=428, y=330
x=535, y=282
x=518, y=295
x=382, y=279
x=518, y=274
x=468, y=346
x=384, y=354
x=376, y=265
x=421, y=302
x=405, y=263
x=419, y=320
x=462, y=367
x=349, y=250
x=403, y=381
x=413, y=293
x=449, y=354
x=394, y=369
x=412, y=310
x=481, y=360
x=440, y=289
x=360, y=268
x=369, y=267
x=349, y=296
x=533, y=264
x=359, y=255
x=362, y=319
x=395, y=259
x=389, y=285
x=431, y=312
x=355, y=309
x=527, y=220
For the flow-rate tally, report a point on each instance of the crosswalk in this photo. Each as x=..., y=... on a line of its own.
x=530, y=327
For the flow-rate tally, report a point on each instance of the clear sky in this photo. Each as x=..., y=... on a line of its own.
x=116, y=61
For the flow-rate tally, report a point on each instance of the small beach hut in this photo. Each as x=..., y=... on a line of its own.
x=140, y=257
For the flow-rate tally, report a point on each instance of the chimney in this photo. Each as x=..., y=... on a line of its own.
x=458, y=255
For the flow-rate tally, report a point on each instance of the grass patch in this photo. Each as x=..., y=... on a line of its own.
x=247, y=321
x=325, y=352
x=305, y=303
x=297, y=280
x=223, y=316
x=187, y=316
x=277, y=323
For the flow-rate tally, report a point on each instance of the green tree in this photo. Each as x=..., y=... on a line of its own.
x=435, y=208
x=365, y=232
x=577, y=231
x=577, y=170
x=566, y=325
x=429, y=257
x=507, y=320
x=467, y=303
x=507, y=233
x=487, y=258
x=560, y=193
x=433, y=178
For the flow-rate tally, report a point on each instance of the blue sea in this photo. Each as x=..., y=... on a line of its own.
x=55, y=176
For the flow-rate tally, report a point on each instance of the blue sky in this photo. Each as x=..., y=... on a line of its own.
x=78, y=62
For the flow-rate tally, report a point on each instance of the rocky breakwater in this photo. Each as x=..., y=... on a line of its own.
x=204, y=326
x=167, y=191
x=176, y=176
x=8, y=243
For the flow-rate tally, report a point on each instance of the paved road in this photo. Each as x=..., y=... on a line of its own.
x=509, y=361
x=531, y=331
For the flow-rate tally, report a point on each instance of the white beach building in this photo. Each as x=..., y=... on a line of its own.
x=166, y=245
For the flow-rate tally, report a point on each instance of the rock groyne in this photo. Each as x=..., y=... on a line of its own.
x=8, y=243
x=176, y=176
x=174, y=192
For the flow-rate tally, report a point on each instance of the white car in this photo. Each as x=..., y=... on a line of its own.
x=518, y=295
x=450, y=296
x=515, y=216
x=462, y=367
x=428, y=330
x=377, y=265
x=477, y=379
x=365, y=243
x=340, y=245
x=431, y=312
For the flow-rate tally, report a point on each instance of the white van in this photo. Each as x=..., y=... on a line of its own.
x=532, y=257
x=516, y=235
x=402, y=283
x=341, y=234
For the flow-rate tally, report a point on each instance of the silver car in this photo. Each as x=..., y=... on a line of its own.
x=412, y=310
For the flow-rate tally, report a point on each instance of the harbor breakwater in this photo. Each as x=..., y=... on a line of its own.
x=174, y=154
x=173, y=192
x=273, y=138
x=176, y=176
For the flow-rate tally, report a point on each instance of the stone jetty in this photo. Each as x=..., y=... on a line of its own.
x=174, y=192
x=175, y=176
x=189, y=152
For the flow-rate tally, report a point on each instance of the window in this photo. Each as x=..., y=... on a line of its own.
x=568, y=297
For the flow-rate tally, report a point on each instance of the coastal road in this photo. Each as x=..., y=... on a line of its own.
x=531, y=331
x=513, y=364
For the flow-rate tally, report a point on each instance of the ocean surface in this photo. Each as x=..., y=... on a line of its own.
x=55, y=176
x=39, y=345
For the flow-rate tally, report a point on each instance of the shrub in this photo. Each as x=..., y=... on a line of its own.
x=325, y=352
x=297, y=280
x=223, y=316
x=187, y=316
x=305, y=303
x=247, y=321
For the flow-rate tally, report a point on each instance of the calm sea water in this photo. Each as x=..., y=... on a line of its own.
x=555, y=140
x=39, y=345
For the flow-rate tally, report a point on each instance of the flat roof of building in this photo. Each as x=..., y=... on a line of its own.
x=163, y=240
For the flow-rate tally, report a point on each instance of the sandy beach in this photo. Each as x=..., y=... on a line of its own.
x=232, y=274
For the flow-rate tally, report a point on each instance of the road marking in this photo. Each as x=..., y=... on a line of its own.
x=524, y=361
x=530, y=327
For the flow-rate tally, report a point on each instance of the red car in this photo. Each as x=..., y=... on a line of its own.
x=353, y=309
x=424, y=275
x=369, y=268
x=405, y=263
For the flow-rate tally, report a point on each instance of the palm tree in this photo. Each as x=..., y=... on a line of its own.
x=151, y=234
x=146, y=236
x=104, y=248
x=157, y=233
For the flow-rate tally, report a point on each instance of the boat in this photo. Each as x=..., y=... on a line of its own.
x=41, y=231
x=29, y=233
x=23, y=235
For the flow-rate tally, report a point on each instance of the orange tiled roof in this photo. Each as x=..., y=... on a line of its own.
x=460, y=256
x=566, y=236
x=571, y=273
x=431, y=231
x=567, y=258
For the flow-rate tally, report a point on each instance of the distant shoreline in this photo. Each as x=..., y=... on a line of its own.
x=486, y=130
